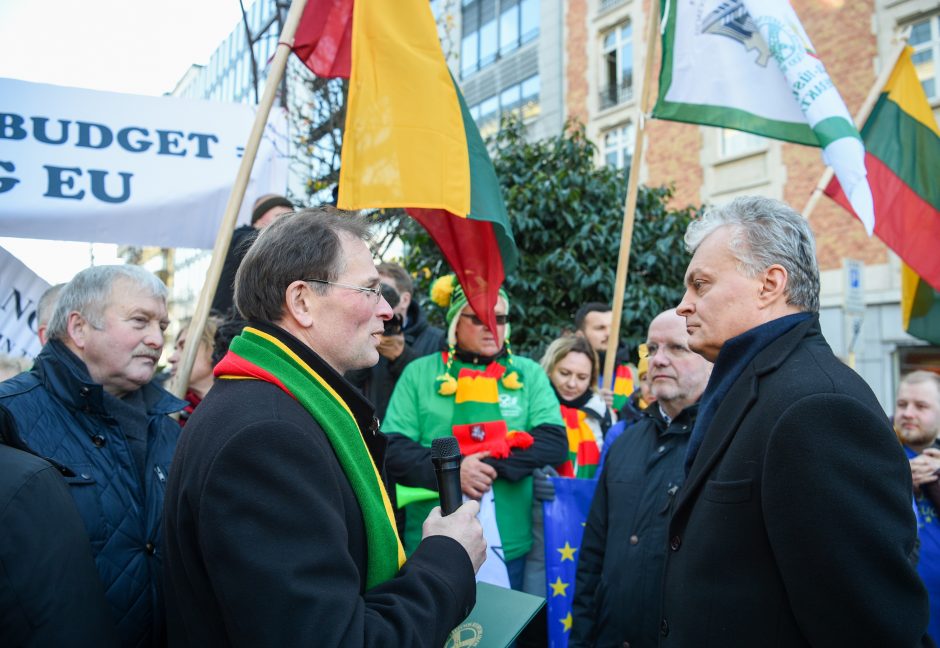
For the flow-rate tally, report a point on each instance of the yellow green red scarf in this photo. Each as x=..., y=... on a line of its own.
x=477, y=421
x=583, y=454
x=257, y=355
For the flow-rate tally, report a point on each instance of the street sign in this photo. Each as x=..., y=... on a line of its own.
x=853, y=292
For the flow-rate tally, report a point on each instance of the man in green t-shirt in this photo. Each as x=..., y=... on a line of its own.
x=500, y=407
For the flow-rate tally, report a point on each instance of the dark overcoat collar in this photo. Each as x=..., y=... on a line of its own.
x=738, y=402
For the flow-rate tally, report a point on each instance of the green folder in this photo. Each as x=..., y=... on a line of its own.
x=496, y=620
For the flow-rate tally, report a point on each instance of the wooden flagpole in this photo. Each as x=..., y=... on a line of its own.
x=860, y=118
x=629, y=208
x=224, y=238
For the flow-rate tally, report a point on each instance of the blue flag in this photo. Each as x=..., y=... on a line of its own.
x=564, y=527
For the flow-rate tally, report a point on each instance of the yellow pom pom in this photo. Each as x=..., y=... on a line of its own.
x=511, y=381
x=448, y=385
x=442, y=290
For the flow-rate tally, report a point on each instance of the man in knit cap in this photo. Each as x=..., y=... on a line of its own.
x=500, y=407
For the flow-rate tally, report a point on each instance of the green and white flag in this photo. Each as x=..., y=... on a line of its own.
x=748, y=65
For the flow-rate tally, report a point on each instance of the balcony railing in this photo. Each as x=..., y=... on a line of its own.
x=615, y=94
x=604, y=5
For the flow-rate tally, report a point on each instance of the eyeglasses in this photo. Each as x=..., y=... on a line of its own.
x=500, y=319
x=375, y=293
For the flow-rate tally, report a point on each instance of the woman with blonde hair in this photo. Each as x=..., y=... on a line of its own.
x=572, y=366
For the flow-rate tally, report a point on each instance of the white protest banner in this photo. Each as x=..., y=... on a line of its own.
x=83, y=165
x=20, y=290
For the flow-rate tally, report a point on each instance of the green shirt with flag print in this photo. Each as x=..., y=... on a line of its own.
x=420, y=413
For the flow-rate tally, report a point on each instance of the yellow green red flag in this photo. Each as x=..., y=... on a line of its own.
x=409, y=140
x=902, y=156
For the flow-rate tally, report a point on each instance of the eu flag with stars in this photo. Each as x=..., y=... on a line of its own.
x=564, y=526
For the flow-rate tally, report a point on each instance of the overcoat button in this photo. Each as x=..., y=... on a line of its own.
x=675, y=543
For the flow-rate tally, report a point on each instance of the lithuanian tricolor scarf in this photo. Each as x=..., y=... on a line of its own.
x=583, y=453
x=477, y=422
x=409, y=140
x=256, y=355
x=902, y=156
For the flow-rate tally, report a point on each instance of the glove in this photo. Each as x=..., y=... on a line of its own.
x=542, y=487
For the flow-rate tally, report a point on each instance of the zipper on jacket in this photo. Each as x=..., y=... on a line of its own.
x=160, y=474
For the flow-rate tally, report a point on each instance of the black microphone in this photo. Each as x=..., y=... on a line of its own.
x=445, y=454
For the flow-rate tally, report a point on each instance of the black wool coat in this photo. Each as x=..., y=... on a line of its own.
x=50, y=593
x=795, y=524
x=620, y=564
x=266, y=543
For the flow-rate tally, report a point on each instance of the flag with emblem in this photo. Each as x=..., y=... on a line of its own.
x=564, y=519
x=409, y=140
x=748, y=65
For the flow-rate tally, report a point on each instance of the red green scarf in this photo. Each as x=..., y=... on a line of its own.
x=477, y=421
x=256, y=355
x=583, y=454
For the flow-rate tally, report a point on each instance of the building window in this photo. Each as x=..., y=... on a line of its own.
x=617, y=73
x=508, y=26
x=529, y=28
x=618, y=146
x=606, y=5
x=520, y=98
x=494, y=28
x=925, y=40
x=733, y=143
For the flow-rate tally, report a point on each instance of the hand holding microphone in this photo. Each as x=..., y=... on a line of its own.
x=458, y=521
x=445, y=455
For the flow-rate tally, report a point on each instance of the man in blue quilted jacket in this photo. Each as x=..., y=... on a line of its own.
x=88, y=405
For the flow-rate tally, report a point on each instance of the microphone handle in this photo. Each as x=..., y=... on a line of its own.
x=448, y=485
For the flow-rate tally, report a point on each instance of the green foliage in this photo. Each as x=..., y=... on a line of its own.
x=566, y=215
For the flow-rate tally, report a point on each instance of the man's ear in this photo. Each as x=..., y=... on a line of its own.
x=774, y=287
x=299, y=303
x=77, y=329
x=405, y=300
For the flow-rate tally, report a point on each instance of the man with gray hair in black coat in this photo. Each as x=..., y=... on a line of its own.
x=795, y=523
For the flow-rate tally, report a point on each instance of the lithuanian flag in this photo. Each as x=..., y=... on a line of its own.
x=409, y=139
x=902, y=155
x=920, y=306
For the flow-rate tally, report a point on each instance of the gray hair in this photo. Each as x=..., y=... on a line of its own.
x=47, y=303
x=766, y=232
x=305, y=245
x=89, y=293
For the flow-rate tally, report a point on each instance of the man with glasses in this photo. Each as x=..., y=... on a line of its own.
x=279, y=530
x=624, y=544
x=500, y=407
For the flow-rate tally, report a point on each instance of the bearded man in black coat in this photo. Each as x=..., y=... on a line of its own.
x=795, y=524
